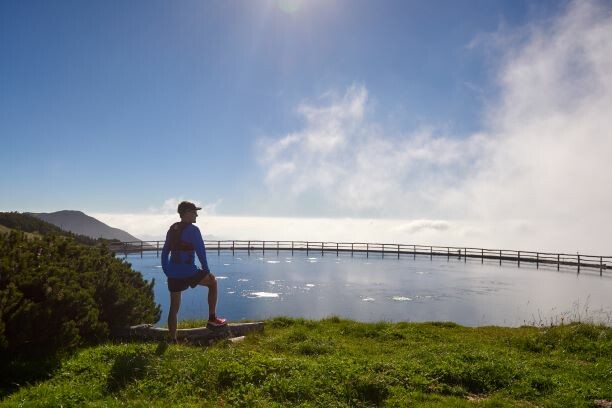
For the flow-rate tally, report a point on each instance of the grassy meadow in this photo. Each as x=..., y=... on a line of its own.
x=335, y=362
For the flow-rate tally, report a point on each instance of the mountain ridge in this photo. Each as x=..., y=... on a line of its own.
x=80, y=223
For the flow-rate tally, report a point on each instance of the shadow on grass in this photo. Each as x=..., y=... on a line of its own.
x=131, y=366
x=17, y=372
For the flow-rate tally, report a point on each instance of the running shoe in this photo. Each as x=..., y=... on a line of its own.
x=217, y=322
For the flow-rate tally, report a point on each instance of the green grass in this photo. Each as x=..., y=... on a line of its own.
x=336, y=362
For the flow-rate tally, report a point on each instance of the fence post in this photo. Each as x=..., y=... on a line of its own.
x=276, y=248
x=431, y=253
x=464, y=255
x=558, y=261
x=249, y=248
x=519, y=259
x=447, y=254
x=291, y=248
x=307, y=245
x=233, y=246
x=398, y=251
x=337, y=253
x=383, y=251
x=578, y=263
x=500, y=257
x=414, y=252
x=157, y=250
x=263, y=247
x=367, y=250
x=322, y=247
x=218, y=247
x=482, y=256
x=600, y=265
x=352, y=243
x=141, y=248
x=537, y=260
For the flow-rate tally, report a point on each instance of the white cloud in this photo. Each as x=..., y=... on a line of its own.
x=349, y=161
x=551, y=133
x=415, y=226
x=154, y=227
x=170, y=206
x=153, y=224
x=143, y=226
x=537, y=176
x=387, y=231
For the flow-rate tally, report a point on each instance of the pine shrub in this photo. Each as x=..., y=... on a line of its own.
x=57, y=294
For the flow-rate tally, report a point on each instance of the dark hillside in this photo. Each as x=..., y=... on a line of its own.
x=81, y=223
x=29, y=224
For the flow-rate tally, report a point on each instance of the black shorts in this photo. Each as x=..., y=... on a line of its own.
x=180, y=284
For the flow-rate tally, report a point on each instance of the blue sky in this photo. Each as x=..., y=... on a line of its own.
x=98, y=96
x=266, y=108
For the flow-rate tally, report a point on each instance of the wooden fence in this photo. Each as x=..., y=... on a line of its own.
x=578, y=261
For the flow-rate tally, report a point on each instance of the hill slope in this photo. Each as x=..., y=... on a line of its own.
x=80, y=223
x=5, y=230
x=36, y=228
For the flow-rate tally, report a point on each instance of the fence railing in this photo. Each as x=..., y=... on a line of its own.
x=578, y=261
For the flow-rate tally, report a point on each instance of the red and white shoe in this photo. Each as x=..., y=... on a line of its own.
x=217, y=322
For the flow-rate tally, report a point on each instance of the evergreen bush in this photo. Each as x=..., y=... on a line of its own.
x=56, y=294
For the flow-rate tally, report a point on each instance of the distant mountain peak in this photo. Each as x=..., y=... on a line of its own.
x=80, y=223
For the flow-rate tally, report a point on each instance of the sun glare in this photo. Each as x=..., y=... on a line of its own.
x=290, y=6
